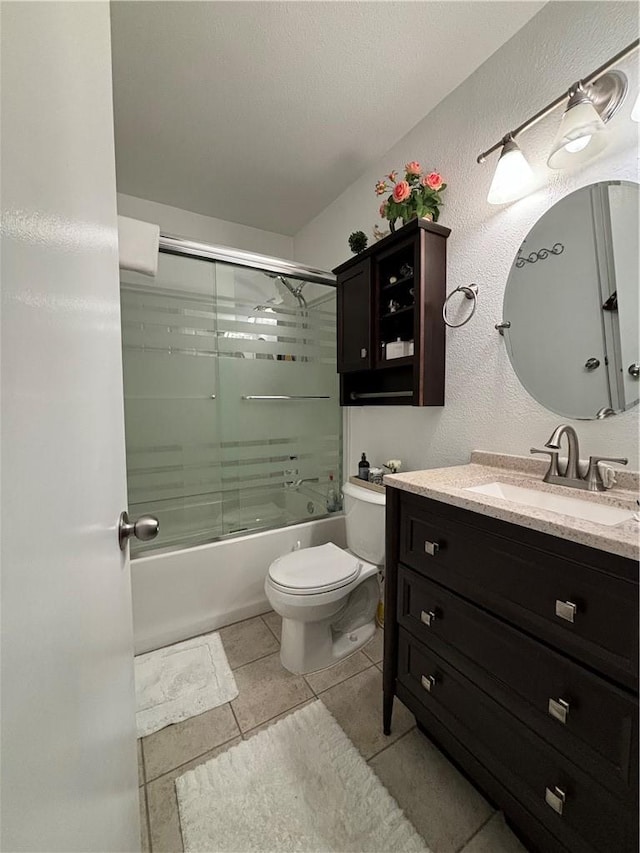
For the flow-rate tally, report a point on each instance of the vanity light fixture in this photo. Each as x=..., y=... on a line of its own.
x=592, y=102
x=581, y=134
x=513, y=177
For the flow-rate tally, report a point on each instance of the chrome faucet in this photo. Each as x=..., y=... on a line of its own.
x=573, y=455
x=591, y=480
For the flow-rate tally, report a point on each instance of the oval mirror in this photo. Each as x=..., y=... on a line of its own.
x=571, y=302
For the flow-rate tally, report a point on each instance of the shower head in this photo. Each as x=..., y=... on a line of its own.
x=281, y=282
x=296, y=291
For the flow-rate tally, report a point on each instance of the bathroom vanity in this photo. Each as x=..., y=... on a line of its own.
x=512, y=635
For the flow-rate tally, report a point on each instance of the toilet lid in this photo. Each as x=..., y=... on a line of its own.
x=319, y=569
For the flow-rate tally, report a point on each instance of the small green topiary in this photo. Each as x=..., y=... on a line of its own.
x=358, y=242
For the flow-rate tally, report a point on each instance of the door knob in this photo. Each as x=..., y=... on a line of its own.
x=634, y=370
x=592, y=364
x=144, y=528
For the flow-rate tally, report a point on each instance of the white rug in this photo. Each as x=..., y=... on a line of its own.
x=180, y=681
x=301, y=786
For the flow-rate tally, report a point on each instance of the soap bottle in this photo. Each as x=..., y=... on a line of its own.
x=363, y=468
x=333, y=502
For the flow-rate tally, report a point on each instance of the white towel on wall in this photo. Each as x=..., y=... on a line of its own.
x=138, y=245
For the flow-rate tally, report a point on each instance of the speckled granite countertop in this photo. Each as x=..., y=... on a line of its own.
x=449, y=486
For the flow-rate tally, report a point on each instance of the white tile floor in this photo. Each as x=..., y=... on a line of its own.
x=443, y=806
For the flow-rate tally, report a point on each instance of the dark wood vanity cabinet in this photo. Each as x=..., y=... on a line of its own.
x=518, y=654
x=393, y=291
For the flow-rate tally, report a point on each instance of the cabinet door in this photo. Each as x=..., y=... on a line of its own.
x=354, y=319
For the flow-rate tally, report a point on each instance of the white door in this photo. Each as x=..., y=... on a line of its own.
x=68, y=772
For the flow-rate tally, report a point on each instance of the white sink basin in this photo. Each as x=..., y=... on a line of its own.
x=576, y=507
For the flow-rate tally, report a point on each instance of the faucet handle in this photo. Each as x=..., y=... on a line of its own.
x=595, y=483
x=621, y=460
x=553, y=462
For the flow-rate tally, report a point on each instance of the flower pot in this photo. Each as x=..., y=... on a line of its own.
x=392, y=224
x=427, y=216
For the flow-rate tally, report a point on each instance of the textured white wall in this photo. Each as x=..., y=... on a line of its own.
x=485, y=405
x=194, y=226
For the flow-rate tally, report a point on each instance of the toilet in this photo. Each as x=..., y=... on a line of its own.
x=328, y=596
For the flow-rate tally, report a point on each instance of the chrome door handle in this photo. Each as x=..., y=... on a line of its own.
x=566, y=610
x=592, y=364
x=428, y=617
x=634, y=370
x=555, y=798
x=363, y=352
x=144, y=528
x=431, y=548
x=559, y=710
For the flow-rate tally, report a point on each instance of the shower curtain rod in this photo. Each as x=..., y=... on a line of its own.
x=226, y=255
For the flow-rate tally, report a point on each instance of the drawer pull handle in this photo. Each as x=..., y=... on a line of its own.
x=566, y=610
x=559, y=709
x=428, y=617
x=428, y=681
x=555, y=798
x=431, y=548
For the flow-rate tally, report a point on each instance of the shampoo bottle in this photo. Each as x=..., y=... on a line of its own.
x=363, y=468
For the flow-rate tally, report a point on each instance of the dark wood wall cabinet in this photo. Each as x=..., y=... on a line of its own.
x=518, y=654
x=393, y=292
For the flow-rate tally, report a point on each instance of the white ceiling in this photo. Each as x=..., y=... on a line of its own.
x=262, y=113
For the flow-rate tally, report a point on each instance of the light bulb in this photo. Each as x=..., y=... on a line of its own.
x=578, y=144
x=513, y=177
x=580, y=135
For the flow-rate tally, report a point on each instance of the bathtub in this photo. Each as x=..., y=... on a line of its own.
x=179, y=594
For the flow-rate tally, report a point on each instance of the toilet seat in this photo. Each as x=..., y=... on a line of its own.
x=310, y=571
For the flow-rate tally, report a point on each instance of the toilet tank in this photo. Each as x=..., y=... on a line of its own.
x=364, y=515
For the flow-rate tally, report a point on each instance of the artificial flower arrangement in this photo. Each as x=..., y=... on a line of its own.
x=417, y=195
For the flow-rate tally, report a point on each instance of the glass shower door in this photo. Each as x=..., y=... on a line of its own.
x=170, y=385
x=279, y=416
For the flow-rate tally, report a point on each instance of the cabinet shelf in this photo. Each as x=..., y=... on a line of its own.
x=397, y=283
x=404, y=310
x=402, y=361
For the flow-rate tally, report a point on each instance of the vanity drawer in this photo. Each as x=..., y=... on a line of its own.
x=577, y=606
x=580, y=813
x=588, y=719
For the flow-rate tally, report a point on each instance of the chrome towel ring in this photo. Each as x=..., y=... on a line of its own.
x=471, y=292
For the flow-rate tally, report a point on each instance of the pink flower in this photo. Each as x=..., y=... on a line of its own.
x=381, y=187
x=392, y=177
x=433, y=181
x=401, y=191
x=383, y=209
x=413, y=168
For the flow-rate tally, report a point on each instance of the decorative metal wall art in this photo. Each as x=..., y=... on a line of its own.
x=540, y=255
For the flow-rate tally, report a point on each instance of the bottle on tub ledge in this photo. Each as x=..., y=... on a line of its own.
x=363, y=468
x=333, y=501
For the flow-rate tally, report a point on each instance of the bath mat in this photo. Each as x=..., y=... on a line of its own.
x=180, y=681
x=301, y=786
